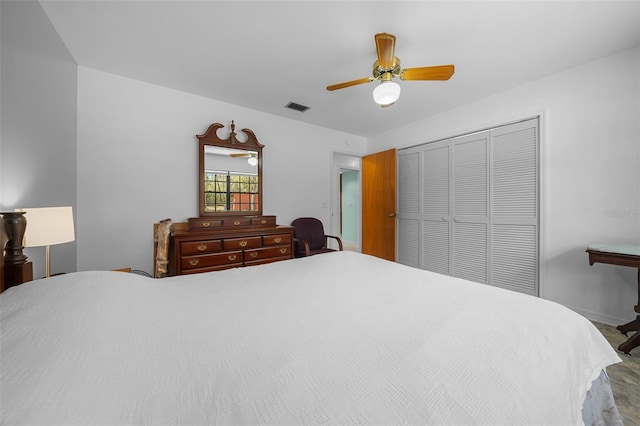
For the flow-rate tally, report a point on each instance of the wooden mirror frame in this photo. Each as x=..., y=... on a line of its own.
x=210, y=138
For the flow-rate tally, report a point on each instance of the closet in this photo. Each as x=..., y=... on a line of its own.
x=468, y=206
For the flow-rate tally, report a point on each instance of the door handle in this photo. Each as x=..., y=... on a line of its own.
x=392, y=215
x=445, y=218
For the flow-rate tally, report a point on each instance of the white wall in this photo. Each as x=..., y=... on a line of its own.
x=138, y=164
x=591, y=173
x=38, y=122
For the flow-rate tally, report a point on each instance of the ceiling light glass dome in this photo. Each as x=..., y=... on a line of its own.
x=386, y=93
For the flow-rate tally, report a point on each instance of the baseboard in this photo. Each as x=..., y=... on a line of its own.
x=598, y=317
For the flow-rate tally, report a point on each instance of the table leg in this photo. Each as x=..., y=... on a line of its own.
x=637, y=307
x=630, y=326
x=632, y=342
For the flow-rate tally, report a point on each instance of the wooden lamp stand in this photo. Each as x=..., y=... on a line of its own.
x=17, y=269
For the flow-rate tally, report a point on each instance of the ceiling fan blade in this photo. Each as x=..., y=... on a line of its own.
x=350, y=83
x=385, y=46
x=438, y=72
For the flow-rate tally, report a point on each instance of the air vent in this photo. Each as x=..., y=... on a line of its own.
x=297, y=107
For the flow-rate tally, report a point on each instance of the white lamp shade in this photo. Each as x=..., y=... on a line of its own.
x=386, y=93
x=48, y=226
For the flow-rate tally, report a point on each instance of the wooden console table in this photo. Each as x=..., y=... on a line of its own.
x=624, y=255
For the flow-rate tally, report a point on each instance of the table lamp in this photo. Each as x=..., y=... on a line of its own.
x=47, y=226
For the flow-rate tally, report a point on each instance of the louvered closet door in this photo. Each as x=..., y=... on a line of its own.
x=468, y=207
x=436, y=207
x=470, y=210
x=514, y=216
x=408, y=216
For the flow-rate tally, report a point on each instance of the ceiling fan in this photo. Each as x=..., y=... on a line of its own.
x=387, y=66
x=250, y=156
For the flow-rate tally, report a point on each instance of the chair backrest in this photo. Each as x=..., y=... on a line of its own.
x=311, y=230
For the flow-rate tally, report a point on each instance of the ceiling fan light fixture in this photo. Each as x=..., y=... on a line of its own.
x=386, y=93
x=253, y=161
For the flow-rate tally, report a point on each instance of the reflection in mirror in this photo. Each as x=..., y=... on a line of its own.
x=230, y=173
x=230, y=180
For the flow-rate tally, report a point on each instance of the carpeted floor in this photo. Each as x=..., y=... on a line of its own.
x=625, y=377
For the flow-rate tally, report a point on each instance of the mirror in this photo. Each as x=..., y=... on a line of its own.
x=230, y=173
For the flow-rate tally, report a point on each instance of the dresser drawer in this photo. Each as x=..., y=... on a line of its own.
x=242, y=243
x=236, y=222
x=229, y=258
x=189, y=248
x=266, y=253
x=211, y=269
x=273, y=240
x=263, y=221
x=203, y=223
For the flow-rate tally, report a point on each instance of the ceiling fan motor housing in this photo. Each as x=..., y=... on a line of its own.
x=379, y=72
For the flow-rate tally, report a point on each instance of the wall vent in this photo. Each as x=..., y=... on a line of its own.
x=297, y=107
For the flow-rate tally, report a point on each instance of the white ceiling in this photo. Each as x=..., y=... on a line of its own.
x=264, y=54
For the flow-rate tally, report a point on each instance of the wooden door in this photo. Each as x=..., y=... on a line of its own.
x=379, y=204
x=2, y=243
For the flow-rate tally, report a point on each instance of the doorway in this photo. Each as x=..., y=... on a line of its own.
x=346, y=200
x=349, y=211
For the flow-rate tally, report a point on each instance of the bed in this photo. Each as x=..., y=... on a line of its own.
x=340, y=338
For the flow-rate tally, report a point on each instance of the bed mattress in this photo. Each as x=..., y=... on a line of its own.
x=339, y=338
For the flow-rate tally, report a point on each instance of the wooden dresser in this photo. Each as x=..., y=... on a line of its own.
x=211, y=244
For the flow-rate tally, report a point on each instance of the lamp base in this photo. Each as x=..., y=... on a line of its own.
x=17, y=274
x=15, y=224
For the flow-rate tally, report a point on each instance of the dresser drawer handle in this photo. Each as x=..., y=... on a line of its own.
x=232, y=257
x=254, y=254
x=194, y=262
x=277, y=240
x=263, y=221
x=243, y=243
x=236, y=222
x=283, y=250
x=202, y=247
x=205, y=224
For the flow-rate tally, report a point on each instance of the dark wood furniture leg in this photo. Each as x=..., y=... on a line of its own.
x=630, y=326
x=634, y=340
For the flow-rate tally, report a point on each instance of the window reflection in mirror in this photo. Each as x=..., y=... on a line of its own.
x=231, y=180
x=230, y=173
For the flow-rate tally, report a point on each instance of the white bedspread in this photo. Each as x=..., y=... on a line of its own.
x=339, y=338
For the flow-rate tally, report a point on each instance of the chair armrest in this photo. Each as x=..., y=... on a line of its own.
x=306, y=246
x=337, y=239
